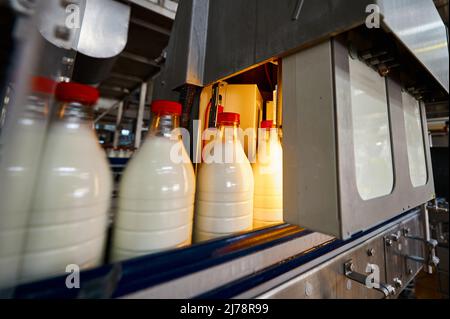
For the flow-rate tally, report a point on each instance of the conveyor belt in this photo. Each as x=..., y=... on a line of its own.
x=140, y=273
x=275, y=251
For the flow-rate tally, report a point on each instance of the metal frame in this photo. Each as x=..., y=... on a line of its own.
x=140, y=117
x=325, y=277
x=213, y=40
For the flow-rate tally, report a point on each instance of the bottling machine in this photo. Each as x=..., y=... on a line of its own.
x=346, y=82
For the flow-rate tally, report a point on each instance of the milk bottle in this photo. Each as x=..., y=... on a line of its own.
x=18, y=170
x=224, y=203
x=157, y=191
x=68, y=220
x=268, y=174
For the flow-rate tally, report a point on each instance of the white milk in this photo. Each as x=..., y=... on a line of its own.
x=18, y=169
x=68, y=221
x=224, y=203
x=268, y=174
x=19, y=164
x=156, y=200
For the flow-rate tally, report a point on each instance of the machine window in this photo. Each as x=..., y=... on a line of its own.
x=414, y=140
x=371, y=132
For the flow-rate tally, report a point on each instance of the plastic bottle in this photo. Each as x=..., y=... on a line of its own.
x=18, y=172
x=268, y=174
x=157, y=191
x=68, y=221
x=224, y=203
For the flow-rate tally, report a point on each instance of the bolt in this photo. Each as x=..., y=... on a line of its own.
x=391, y=290
x=395, y=237
x=410, y=271
x=434, y=261
x=371, y=252
x=349, y=267
x=388, y=242
x=383, y=70
x=432, y=243
x=406, y=231
x=398, y=283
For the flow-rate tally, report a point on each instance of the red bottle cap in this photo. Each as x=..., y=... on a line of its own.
x=76, y=92
x=267, y=124
x=40, y=84
x=228, y=118
x=166, y=107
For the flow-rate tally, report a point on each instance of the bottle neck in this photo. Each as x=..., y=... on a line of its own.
x=269, y=134
x=228, y=132
x=37, y=106
x=75, y=112
x=163, y=125
x=268, y=146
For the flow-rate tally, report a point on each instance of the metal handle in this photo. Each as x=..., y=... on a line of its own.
x=431, y=259
x=349, y=271
x=432, y=243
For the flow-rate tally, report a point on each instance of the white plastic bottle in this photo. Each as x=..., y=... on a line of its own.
x=224, y=203
x=18, y=171
x=268, y=174
x=157, y=191
x=68, y=221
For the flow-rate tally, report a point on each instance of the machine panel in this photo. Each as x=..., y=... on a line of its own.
x=329, y=280
x=342, y=186
x=418, y=25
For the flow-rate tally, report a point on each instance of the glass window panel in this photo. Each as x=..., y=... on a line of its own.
x=371, y=132
x=414, y=140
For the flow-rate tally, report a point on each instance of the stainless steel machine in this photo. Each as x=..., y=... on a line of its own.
x=336, y=61
x=346, y=82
